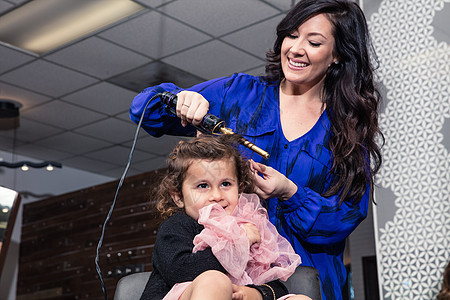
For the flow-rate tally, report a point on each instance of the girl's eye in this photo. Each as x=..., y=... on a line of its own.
x=314, y=44
x=291, y=36
x=226, y=183
x=202, y=186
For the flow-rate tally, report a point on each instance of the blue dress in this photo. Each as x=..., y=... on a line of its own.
x=316, y=226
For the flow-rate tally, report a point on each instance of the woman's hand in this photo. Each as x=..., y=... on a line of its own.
x=245, y=293
x=272, y=184
x=252, y=232
x=191, y=107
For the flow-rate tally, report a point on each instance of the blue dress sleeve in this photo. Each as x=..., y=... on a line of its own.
x=320, y=220
x=157, y=121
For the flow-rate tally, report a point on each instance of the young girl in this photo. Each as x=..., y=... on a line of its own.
x=205, y=179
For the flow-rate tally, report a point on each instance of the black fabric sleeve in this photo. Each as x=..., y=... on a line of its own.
x=267, y=291
x=173, y=251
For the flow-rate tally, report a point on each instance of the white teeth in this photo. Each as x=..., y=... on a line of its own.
x=295, y=64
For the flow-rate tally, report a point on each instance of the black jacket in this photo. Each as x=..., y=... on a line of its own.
x=174, y=262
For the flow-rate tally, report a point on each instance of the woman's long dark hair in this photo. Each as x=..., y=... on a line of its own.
x=349, y=91
x=444, y=294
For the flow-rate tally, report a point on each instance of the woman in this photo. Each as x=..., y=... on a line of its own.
x=444, y=294
x=315, y=113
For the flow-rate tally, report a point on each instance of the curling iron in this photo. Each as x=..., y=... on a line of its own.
x=210, y=123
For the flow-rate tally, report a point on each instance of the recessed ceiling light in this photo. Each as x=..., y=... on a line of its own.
x=40, y=26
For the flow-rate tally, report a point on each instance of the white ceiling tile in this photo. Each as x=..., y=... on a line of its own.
x=123, y=116
x=88, y=164
x=112, y=130
x=119, y=155
x=62, y=115
x=8, y=134
x=47, y=78
x=152, y=74
x=7, y=142
x=72, y=142
x=18, y=1
x=30, y=131
x=150, y=165
x=258, y=71
x=213, y=59
x=161, y=146
x=219, y=17
x=103, y=97
x=26, y=98
x=262, y=36
x=41, y=153
x=155, y=35
x=10, y=58
x=118, y=172
x=5, y=6
x=153, y=3
x=284, y=5
x=98, y=57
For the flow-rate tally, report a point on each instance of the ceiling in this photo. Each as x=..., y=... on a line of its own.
x=75, y=99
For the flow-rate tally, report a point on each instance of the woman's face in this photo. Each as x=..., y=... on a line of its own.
x=208, y=182
x=307, y=53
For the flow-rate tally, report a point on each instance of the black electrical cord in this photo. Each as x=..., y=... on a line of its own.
x=108, y=217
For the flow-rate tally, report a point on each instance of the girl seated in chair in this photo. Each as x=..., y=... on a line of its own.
x=217, y=242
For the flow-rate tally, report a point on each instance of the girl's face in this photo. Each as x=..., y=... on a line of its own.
x=207, y=182
x=307, y=53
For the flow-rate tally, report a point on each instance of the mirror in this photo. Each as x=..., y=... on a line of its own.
x=9, y=205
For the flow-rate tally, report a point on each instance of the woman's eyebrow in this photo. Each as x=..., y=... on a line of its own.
x=316, y=34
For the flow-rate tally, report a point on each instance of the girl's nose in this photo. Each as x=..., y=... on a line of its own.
x=216, y=195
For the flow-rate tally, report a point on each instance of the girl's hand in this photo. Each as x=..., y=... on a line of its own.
x=252, y=232
x=272, y=184
x=245, y=293
x=191, y=107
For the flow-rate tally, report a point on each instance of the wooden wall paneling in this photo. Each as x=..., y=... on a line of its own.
x=60, y=236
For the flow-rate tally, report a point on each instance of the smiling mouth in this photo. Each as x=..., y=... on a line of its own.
x=297, y=64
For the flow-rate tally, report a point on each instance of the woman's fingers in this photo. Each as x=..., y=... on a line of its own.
x=260, y=187
x=257, y=166
x=191, y=107
x=272, y=183
x=200, y=113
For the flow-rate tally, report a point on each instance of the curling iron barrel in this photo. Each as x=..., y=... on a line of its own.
x=210, y=123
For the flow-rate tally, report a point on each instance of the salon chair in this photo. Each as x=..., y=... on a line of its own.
x=305, y=281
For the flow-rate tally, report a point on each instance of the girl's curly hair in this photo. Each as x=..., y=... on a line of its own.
x=204, y=147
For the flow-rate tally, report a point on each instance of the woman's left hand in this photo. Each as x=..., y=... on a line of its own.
x=272, y=184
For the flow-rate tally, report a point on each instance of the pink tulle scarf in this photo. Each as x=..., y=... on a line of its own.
x=273, y=258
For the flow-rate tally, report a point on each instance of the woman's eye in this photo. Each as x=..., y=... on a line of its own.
x=291, y=36
x=202, y=186
x=314, y=44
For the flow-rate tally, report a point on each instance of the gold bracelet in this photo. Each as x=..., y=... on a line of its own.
x=273, y=292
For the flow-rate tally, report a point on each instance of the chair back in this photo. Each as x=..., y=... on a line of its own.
x=304, y=281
